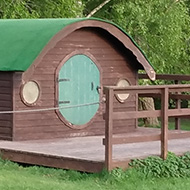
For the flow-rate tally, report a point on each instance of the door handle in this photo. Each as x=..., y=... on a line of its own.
x=98, y=89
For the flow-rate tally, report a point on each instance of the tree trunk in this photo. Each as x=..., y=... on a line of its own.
x=148, y=104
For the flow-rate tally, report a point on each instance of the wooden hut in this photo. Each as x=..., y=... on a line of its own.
x=52, y=73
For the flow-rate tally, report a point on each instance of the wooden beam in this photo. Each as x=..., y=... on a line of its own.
x=179, y=112
x=108, y=128
x=150, y=89
x=164, y=123
x=52, y=161
x=148, y=138
x=136, y=91
x=178, y=106
x=180, y=97
x=183, y=134
x=172, y=96
x=166, y=77
x=136, y=114
x=156, y=113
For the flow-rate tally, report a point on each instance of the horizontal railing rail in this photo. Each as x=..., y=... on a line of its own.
x=177, y=79
x=171, y=77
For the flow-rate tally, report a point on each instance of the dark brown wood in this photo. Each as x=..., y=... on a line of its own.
x=179, y=134
x=182, y=89
x=171, y=96
x=6, y=102
x=151, y=88
x=164, y=123
x=179, y=112
x=155, y=113
x=5, y=83
x=136, y=90
x=167, y=77
x=179, y=97
x=52, y=161
x=5, y=130
x=108, y=129
x=178, y=106
x=136, y=114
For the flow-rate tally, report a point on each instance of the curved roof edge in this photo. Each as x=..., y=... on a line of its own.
x=18, y=45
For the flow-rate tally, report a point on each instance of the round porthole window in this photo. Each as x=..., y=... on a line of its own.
x=122, y=83
x=30, y=92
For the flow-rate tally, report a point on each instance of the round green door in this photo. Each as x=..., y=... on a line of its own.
x=79, y=79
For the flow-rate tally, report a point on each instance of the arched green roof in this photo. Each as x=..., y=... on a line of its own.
x=22, y=40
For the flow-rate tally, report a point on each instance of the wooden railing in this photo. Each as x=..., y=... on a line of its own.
x=177, y=79
x=167, y=77
x=164, y=92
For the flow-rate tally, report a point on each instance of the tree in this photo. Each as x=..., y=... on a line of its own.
x=161, y=28
x=40, y=9
x=16, y=9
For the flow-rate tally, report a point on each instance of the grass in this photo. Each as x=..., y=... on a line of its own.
x=185, y=124
x=15, y=177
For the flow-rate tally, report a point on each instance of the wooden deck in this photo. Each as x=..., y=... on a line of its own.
x=88, y=153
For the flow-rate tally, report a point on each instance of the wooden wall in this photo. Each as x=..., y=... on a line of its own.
x=111, y=56
x=6, y=105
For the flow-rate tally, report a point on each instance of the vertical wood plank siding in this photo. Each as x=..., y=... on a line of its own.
x=115, y=65
x=6, y=105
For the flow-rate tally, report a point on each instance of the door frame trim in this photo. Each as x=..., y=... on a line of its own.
x=99, y=111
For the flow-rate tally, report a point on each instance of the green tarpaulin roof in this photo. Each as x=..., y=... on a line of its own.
x=21, y=40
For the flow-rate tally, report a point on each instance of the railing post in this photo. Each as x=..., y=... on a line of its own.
x=108, y=128
x=178, y=106
x=164, y=123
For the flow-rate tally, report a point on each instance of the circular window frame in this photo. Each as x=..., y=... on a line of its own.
x=22, y=95
x=117, y=95
x=99, y=111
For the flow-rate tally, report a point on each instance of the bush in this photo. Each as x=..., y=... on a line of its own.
x=173, y=166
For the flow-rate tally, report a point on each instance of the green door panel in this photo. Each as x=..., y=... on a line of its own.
x=79, y=78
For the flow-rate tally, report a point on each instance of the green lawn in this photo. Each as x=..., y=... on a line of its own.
x=185, y=124
x=15, y=177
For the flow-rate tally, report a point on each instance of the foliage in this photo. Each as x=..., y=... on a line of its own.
x=173, y=166
x=40, y=9
x=161, y=28
x=58, y=8
x=16, y=9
